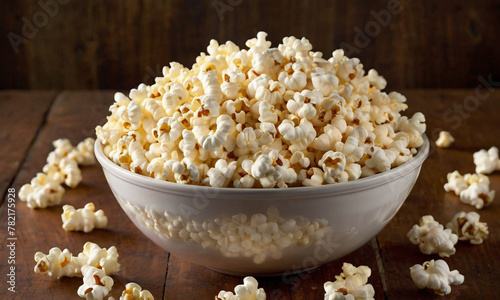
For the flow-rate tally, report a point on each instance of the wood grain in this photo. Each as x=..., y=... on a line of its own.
x=74, y=114
x=119, y=44
x=22, y=114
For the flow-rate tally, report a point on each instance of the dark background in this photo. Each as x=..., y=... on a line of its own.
x=96, y=44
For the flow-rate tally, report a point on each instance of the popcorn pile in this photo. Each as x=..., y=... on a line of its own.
x=262, y=117
x=95, y=265
x=62, y=167
x=257, y=236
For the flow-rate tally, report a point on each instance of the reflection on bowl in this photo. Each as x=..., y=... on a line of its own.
x=262, y=231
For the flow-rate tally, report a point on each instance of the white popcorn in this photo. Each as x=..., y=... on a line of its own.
x=468, y=228
x=377, y=160
x=445, y=139
x=222, y=173
x=41, y=192
x=83, y=219
x=436, y=276
x=303, y=104
x=211, y=86
x=299, y=136
x=431, y=237
x=352, y=283
x=414, y=127
x=70, y=172
x=83, y=153
x=57, y=263
x=168, y=129
x=62, y=147
x=487, y=161
x=214, y=140
x=96, y=285
x=333, y=165
x=263, y=169
x=102, y=258
x=325, y=82
x=293, y=77
x=473, y=189
x=478, y=195
x=456, y=183
x=235, y=104
x=247, y=291
x=133, y=291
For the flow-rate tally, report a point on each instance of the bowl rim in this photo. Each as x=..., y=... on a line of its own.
x=335, y=188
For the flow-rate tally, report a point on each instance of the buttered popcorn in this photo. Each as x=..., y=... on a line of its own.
x=262, y=117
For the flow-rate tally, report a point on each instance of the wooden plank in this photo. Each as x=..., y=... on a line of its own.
x=22, y=113
x=476, y=263
x=120, y=43
x=189, y=281
x=74, y=115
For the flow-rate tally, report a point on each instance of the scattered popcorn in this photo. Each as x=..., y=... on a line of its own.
x=456, y=183
x=133, y=291
x=62, y=263
x=41, y=192
x=487, y=161
x=473, y=189
x=101, y=258
x=58, y=263
x=238, y=104
x=247, y=291
x=83, y=219
x=435, y=276
x=45, y=189
x=96, y=284
x=468, y=228
x=445, y=139
x=259, y=236
x=478, y=195
x=83, y=153
x=432, y=237
x=352, y=283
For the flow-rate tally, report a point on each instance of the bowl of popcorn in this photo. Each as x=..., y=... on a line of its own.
x=263, y=160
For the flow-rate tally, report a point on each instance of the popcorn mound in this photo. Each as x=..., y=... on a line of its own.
x=262, y=117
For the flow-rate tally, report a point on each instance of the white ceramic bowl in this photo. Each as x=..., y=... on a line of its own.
x=262, y=231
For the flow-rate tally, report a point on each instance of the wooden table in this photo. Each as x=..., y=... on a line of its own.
x=31, y=120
